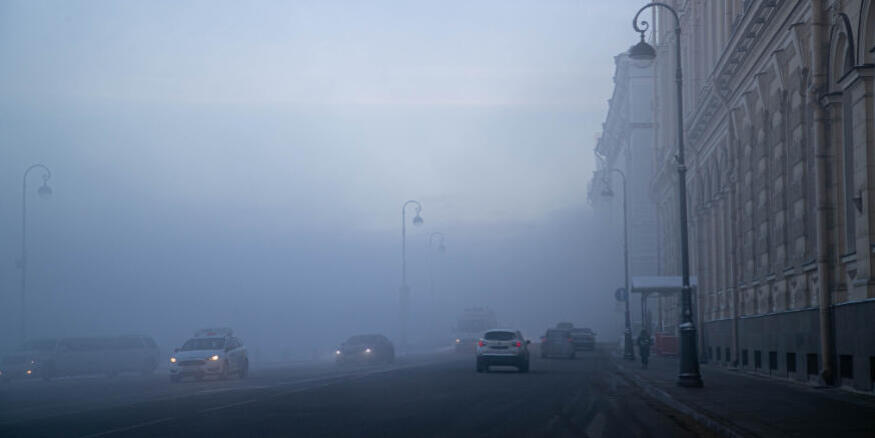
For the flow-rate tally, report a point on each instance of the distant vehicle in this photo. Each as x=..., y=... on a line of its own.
x=211, y=352
x=583, y=338
x=503, y=347
x=565, y=325
x=471, y=324
x=365, y=349
x=558, y=343
x=54, y=357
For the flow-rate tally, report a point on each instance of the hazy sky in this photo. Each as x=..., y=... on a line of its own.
x=273, y=124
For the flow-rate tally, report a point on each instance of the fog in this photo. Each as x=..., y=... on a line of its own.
x=244, y=165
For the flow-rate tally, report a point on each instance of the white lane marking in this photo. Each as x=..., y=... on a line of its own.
x=127, y=428
x=233, y=388
x=232, y=405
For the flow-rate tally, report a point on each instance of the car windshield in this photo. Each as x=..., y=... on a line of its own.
x=38, y=345
x=499, y=336
x=557, y=334
x=204, y=344
x=363, y=339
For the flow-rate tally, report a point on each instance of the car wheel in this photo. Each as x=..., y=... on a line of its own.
x=244, y=370
x=226, y=371
x=174, y=378
x=523, y=367
x=482, y=366
x=49, y=372
x=149, y=366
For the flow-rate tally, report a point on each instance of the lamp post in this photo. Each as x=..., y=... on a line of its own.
x=688, y=374
x=405, y=290
x=628, y=349
x=441, y=248
x=44, y=192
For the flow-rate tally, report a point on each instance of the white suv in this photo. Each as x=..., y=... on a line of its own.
x=503, y=347
x=211, y=352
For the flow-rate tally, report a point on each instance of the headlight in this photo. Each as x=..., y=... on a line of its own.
x=367, y=350
x=29, y=372
x=172, y=360
x=214, y=357
x=337, y=352
x=458, y=341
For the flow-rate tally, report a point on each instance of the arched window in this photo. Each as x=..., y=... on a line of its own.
x=842, y=61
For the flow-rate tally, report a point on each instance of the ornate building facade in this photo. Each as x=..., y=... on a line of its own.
x=778, y=99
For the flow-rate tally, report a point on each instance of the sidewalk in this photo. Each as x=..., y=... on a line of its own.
x=734, y=403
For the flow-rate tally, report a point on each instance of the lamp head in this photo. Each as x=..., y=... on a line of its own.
x=45, y=191
x=417, y=221
x=607, y=192
x=642, y=51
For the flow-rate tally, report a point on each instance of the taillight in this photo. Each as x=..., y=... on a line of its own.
x=481, y=343
x=519, y=344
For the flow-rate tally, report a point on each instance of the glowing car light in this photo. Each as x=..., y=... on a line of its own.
x=337, y=352
x=172, y=360
x=367, y=350
x=214, y=357
x=29, y=372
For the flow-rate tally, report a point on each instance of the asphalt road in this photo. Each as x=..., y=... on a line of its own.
x=427, y=395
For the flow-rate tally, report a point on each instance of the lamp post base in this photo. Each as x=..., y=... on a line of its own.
x=689, y=375
x=628, y=349
x=690, y=381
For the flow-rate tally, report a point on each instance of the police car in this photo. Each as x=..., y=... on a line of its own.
x=211, y=352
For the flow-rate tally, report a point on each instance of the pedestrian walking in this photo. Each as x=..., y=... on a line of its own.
x=644, y=344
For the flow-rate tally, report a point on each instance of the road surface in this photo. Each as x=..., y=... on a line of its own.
x=437, y=395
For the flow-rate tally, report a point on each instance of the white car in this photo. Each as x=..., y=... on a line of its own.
x=211, y=352
x=503, y=347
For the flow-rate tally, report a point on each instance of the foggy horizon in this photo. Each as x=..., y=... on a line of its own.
x=188, y=167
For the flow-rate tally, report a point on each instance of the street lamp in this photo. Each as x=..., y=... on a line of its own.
x=405, y=290
x=44, y=192
x=628, y=350
x=688, y=375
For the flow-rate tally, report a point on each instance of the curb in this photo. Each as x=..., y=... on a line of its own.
x=709, y=422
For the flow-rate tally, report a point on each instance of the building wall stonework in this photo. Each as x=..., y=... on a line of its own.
x=779, y=123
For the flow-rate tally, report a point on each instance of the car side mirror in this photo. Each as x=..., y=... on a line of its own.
x=175, y=350
x=528, y=341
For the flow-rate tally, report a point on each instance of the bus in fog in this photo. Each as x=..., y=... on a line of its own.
x=57, y=357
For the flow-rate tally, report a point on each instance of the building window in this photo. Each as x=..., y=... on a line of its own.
x=773, y=360
x=710, y=353
x=791, y=363
x=757, y=359
x=727, y=354
x=744, y=358
x=846, y=366
x=718, y=354
x=872, y=370
x=811, y=361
